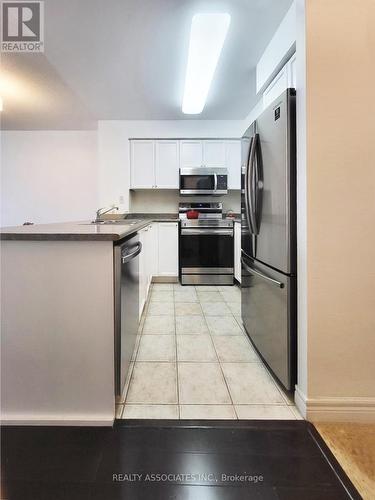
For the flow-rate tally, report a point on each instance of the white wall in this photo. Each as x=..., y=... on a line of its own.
x=114, y=155
x=48, y=176
x=280, y=48
x=301, y=200
x=254, y=113
x=338, y=239
x=57, y=176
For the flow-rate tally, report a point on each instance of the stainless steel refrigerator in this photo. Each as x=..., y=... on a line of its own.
x=268, y=212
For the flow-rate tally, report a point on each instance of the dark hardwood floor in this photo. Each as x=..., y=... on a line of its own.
x=162, y=460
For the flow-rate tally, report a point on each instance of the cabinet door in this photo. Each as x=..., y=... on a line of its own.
x=214, y=153
x=191, y=153
x=142, y=271
x=237, y=251
x=142, y=164
x=153, y=254
x=233, y=163
x=292, y=72
x=166, y=164
x=149, y=254
x=168, y=249
x=276, y=87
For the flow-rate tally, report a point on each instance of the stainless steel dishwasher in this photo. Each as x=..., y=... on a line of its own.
x=126, y=267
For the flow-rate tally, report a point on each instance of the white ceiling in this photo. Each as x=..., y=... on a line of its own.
x=126, y=59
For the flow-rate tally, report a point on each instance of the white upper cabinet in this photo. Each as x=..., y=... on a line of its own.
x=155, y=163
x=214, y=153
x=142, y=159
x=206, y=153
x=292, y=72
x=286, y=78
x=191, y=153
x=233, y=163
x=166, y=164
x=276, y=87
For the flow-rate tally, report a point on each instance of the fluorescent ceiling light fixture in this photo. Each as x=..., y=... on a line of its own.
x=207, y=36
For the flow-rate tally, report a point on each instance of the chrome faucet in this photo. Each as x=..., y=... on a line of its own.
x=99, y=213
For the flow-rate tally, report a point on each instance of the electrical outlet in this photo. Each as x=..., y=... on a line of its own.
x=121, y=200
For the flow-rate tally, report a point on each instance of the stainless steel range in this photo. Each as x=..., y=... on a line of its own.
x=206, y=245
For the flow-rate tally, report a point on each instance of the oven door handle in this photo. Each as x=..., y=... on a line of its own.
x=215, y=182
x=202, y=232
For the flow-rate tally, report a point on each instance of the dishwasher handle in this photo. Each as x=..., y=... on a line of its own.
x=132, y=255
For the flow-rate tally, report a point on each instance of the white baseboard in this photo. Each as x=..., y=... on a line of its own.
x=336, y=409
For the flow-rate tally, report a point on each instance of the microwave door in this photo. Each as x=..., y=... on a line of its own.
x=197, y=184
x=210, y=181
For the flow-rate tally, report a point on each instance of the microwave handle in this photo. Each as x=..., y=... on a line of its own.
x=215, y=186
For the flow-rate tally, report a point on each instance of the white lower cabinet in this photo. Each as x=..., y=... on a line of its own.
x=168, y=249
x=153, y=249
x=159, y=255
x=237, y=251
x=143, y=269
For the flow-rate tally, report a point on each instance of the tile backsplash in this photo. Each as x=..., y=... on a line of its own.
x=167, y=200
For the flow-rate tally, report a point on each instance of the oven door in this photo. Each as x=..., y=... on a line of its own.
x=206, y=255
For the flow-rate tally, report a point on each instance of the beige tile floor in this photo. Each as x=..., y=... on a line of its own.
x=194, y=360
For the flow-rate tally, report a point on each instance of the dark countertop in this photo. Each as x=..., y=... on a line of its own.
x=157, y=217
x=85, y=231
x=71, y=231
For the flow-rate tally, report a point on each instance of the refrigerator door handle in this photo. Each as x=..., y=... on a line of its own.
x=247, y=192
x=260, y=275
x=250, y=185
x=258, y=187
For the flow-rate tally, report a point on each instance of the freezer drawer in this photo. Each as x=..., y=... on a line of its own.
x=269, y=317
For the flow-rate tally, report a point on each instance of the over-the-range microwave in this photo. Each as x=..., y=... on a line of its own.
x=203, y=180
